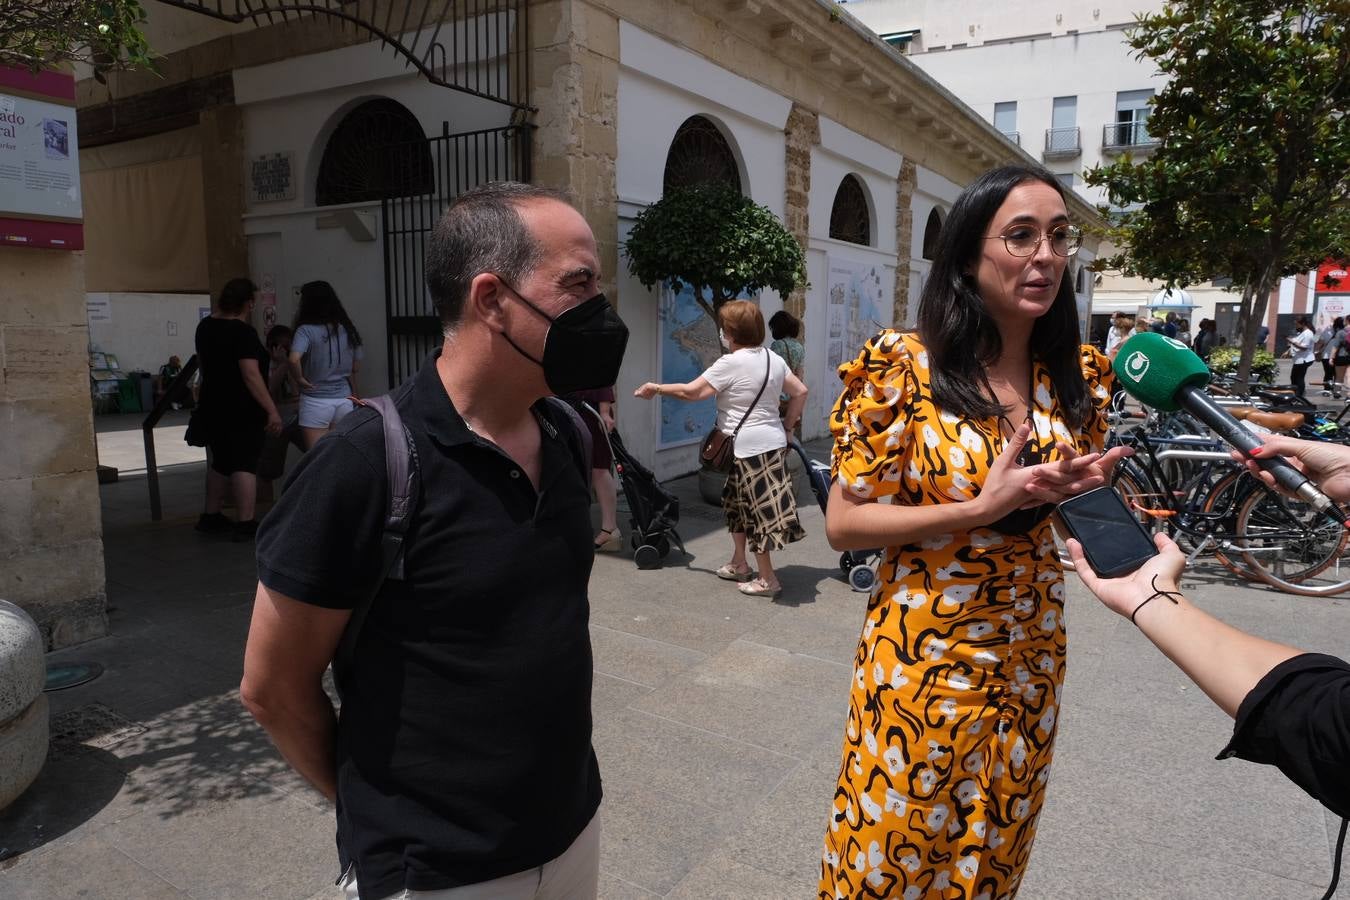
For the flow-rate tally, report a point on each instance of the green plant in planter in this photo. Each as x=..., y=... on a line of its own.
x=1224, y=361
x=713, y=239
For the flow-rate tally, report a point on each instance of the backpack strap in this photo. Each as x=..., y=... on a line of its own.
x=582, y=440
x=401, y=467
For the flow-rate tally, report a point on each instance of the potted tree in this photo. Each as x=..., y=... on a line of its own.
x=722, y=245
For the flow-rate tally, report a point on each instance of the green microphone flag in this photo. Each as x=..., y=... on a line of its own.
x=1153, y=367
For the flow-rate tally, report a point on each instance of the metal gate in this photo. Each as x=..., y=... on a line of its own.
x=450, y=165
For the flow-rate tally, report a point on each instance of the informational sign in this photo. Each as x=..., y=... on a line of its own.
x=857, y=308
x=97, y=308
x=267, y=295
x=40, y=203
x=269, y=178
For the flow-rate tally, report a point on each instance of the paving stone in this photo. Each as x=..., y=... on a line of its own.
x=92, y=869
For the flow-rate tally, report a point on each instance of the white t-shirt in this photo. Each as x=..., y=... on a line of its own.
x=736, y=377
x=1302, y=346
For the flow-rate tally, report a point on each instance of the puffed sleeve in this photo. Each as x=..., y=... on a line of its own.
x=870, y=421
x=1101, y=386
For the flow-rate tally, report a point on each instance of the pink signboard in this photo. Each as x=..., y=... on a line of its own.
x=40, y=203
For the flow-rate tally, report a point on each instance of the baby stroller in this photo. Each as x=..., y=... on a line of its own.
x=654, y=510
x=859, y=566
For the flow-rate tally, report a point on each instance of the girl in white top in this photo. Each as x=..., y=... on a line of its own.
x=760, y=509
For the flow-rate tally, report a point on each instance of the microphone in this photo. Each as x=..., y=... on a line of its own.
x=1163, y=373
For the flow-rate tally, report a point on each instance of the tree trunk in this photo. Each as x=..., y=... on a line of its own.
x=1255, y=298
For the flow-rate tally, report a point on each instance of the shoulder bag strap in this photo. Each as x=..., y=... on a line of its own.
x=401, y=469
x=583, y=435
x=768, y=362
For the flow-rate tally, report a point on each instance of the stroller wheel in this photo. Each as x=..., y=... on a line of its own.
x=846, y=563
x=662, y=545
x=862, y=578
x=647, y=557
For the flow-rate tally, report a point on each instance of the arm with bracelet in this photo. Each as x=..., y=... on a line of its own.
x=1291, y=707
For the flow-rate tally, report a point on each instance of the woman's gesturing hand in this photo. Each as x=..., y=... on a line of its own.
x=1073, y=473
x=647, y=391
x=1010, y=486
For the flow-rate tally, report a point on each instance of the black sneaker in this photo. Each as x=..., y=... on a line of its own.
x=244, y=531
x=213, y=523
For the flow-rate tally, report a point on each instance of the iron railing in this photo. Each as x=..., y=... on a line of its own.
x=479, y=47
x=459, y=162
x=171, y=391
x=1014, y=136
x=1123, y=135
x=1062, y=142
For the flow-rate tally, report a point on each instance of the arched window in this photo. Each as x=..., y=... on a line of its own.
x=930, y=234
x=378, y=150
x=849, y=217
x=1080, y=280
x=700, y=154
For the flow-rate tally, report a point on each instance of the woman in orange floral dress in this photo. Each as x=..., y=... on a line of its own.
x=971, y=427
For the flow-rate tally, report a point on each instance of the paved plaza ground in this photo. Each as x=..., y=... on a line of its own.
x=718, y=723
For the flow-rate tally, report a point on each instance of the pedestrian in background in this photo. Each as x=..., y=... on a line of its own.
x=596, y=408
x=324, y=361
x=1301, y=351
x=234, y=410
x=286, y=397
x=761, y=511
x=1121, y=327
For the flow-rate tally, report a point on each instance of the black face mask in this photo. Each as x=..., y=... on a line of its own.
x=584, y=346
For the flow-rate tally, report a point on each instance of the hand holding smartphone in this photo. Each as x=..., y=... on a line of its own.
x=1114, y=543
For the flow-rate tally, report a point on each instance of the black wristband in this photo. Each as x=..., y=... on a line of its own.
x=1170, y=595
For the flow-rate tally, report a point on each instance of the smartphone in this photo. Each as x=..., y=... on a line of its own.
x=1113, y=540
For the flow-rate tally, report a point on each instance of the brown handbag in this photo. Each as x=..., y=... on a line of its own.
x=719, y=449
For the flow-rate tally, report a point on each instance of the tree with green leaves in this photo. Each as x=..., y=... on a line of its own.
x=711, y=237
x=1252, y=179
x=49, y=34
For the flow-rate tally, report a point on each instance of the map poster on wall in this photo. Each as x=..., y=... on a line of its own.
x=688, y=346
x=857, y=308
x=40, y=202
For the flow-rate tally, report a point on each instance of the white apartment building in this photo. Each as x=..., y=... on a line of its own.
x=1059, y=79
x=1056, y=78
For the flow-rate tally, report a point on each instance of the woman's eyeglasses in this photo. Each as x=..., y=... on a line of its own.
x=1024, y=240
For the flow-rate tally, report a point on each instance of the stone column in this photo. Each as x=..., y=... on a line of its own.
x=222, y=136
x=800, y=134
x=574, y=83
x=904, y=239
x=51, y=528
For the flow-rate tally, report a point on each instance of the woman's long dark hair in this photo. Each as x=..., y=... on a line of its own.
x=319, y=305
x=960, y=336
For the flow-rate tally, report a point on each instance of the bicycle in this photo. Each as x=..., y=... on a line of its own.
x=1214, y=505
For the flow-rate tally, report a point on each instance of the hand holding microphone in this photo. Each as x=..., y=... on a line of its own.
x=1163, y=373
x=1326, y=464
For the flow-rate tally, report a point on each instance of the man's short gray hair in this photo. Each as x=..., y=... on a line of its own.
x=482, y=231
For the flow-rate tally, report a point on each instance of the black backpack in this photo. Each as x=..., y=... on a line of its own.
x=401, y=467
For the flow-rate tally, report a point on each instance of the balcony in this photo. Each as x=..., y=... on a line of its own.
x=1014, y=136
x=1062, y=143
x=1121, y=136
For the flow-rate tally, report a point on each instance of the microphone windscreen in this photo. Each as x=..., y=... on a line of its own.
x=1153, y=367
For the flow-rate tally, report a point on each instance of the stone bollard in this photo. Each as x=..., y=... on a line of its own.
x=23, y=706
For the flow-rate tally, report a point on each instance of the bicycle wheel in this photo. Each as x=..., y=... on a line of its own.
x=1141, y=495
x=1226, y=494
x=1291, y=546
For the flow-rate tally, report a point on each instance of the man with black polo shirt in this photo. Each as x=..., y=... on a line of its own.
x=461, y=764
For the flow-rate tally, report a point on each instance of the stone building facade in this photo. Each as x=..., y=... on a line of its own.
x=813, y=111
